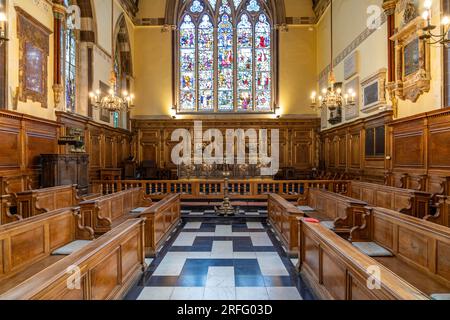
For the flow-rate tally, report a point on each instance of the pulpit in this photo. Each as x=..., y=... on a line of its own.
x=65, y=169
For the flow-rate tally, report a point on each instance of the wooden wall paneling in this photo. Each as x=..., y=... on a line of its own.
x=345, y=150
x=22, y=139
x=107, y=147
x=297, y=145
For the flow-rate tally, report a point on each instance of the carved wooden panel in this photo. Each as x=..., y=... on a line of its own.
x=312, y=253
x=105, y=276
x=10, y=151
x=443, y=259
x=413, y=246
x=439, y=156
x=408, y=150
x=130, y=255
x=383, y=232
x=334, y=276
x=296, y=138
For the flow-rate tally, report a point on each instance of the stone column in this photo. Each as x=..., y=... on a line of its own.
x=59, y=13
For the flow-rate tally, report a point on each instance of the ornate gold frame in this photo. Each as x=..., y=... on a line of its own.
x=411, y=86
x=29, y=30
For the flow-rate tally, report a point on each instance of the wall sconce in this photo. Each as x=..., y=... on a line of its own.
x=3, y=21
x=430, y=37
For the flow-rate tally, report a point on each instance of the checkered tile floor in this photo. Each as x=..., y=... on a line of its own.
x=209, y=261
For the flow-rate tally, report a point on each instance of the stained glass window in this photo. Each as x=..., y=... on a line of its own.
x=70, y=66
x=245, y=63
x=225, y=56
x=187, y=63
x=206, y=64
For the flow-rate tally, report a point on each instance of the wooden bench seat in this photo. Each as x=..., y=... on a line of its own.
x=105, y=212
x=282, y=216
x=336, y=270
x=417, y=278
x=411, y=202
x=345, y=214
x=160, y=220
x=421, y=249
x=34, y=202
x=108, y=267
x=28, y=244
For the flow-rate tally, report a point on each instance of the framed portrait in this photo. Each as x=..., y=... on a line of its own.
x=33, y=56
x=374, y=91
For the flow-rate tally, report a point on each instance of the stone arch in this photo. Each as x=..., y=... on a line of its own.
x=88, y=32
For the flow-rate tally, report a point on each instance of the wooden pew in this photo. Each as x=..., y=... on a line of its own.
x=421, y=249
x=28, y=244
x=442, y=215
x=34, y=202
x=346, y=214
x=105, y=212
x=410, y=202
x=10, y=184
x=282, y=216
x=108, y=267
x=8, y=210
x=336, y=270
x=160, y=220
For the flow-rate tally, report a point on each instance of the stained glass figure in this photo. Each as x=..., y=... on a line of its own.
x=188, y=64
x=225, y=64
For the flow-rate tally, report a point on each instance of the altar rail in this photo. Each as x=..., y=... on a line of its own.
x=214, y=189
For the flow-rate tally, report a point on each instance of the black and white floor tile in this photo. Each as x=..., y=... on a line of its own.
x=221, y=261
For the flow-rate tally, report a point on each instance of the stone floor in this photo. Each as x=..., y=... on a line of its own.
x=221, y=261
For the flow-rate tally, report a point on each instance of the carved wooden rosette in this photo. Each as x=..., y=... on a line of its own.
x=410, y=86
x=32, y=33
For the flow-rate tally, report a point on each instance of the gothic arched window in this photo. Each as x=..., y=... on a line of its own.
x=70, y=64
x=225, y=53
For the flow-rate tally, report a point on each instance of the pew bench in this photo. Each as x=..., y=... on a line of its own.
x=442, y=215
x=106, y=212
x=411, y=202
x=337, y=212
x=161, y=219
x=419, y=249
x=34, y=202
x=335, y=270
x=32, y=245
x=282, y=217
x=107, y=268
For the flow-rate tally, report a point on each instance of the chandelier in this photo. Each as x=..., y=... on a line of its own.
x=332, y=97
x=111, y=101
x=428, y=35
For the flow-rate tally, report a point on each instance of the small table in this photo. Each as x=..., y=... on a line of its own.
x=110, y=174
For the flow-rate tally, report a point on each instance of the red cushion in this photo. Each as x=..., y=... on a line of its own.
x=311, y=220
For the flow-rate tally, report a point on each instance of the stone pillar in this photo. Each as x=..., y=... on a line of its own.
x=59, y=13
x=389, y=10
